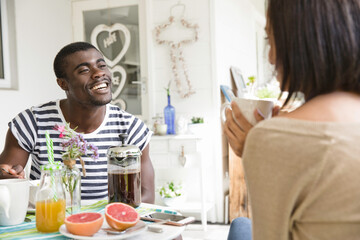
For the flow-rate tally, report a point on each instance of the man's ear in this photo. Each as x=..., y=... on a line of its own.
x=62, y=83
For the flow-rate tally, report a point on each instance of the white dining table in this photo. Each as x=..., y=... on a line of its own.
x=27, y=229
x=169, y=232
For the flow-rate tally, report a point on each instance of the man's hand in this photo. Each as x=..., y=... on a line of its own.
x=236, y=128
x=13, y=158
x=8, y=171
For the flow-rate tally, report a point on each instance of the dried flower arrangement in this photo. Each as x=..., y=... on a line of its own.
x=176, y=54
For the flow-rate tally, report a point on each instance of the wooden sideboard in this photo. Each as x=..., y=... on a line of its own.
x=238, y=195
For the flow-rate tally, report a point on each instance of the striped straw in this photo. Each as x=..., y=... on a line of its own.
x=50, y=151
x=50, y=148
x=51, y=168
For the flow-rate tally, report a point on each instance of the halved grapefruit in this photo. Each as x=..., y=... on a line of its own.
x=121, y=216
x=84, y=224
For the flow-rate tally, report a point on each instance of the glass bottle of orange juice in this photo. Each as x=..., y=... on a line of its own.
x=50, y=199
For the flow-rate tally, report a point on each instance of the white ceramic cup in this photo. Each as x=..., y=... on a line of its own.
x=248, y=106
x=14, y=200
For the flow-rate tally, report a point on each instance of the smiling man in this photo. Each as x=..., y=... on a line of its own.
x=84, y=76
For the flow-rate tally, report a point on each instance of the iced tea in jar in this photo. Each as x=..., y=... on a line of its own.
x=50, y=199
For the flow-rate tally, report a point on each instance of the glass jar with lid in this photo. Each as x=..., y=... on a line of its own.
x=50, y=199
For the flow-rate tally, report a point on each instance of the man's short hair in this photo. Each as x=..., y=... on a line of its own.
x=59, y=61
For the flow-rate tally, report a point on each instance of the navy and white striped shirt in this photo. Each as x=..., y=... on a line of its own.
x=29, y=129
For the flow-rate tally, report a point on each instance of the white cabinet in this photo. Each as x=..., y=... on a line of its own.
x=165, y=153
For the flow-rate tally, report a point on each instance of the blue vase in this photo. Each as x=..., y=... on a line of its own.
x=169, y=115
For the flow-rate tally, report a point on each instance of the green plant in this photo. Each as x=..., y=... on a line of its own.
x=197, y=120
x=269, y=90
x=251, y=81
x=170, y=190
x=167, y=91
x=266, y=93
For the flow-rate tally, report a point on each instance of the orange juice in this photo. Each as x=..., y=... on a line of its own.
x=50, y=215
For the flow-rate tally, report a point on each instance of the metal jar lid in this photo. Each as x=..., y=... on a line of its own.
x=124, y=150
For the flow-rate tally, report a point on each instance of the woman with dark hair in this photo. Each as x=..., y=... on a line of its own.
x=303, y=167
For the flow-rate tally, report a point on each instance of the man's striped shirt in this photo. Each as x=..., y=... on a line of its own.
x=29, y=128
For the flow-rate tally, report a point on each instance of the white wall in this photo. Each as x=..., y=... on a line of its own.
x=42, y=28
x=197, y=57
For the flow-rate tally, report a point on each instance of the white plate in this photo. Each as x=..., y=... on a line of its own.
x=101, y=234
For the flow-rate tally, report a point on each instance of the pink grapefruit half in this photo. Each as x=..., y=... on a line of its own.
x=121, y=216
x=84, y=224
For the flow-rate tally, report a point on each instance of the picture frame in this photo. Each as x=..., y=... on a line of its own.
x=8, y=74
x=239, y=81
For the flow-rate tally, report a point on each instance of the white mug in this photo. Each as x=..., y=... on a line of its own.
x=14, y=200
x=248, y=106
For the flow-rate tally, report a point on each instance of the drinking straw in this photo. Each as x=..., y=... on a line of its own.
x=50, y=151
x=50, y=148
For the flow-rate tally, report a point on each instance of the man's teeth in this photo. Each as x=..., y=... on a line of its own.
x=102, y=85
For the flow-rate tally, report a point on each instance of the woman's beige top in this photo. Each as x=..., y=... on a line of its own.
x=304, y=179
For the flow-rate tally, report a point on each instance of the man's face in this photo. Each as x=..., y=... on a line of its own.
x=88, y=78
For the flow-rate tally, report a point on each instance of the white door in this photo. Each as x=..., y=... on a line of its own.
x=117, y=29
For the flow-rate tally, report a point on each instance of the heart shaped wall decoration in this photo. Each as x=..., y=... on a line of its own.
x=118, y=82
x=113, y=37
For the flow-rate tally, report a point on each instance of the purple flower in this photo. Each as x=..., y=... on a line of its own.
x=74, y=144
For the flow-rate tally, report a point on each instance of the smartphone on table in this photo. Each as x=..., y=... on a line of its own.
x=173, y=219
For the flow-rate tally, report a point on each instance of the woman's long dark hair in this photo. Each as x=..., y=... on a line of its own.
x=317, y=45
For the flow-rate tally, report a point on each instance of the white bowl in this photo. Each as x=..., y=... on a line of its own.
x=161, y=129
x=32, y=192
x=197, y=128
x=175, y=201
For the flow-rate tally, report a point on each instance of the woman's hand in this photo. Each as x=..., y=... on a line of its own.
x=236, y=128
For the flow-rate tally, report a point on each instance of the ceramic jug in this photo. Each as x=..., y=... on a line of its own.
x=14, y=200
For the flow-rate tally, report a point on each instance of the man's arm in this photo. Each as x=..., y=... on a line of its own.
x=147, y=177
x=13, y=158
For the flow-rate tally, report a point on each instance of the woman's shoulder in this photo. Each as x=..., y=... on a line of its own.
x=340, y=107
x=326, y=114
x=282, y=126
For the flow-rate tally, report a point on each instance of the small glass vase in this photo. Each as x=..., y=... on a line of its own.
x=71, y=178
x=169, y=115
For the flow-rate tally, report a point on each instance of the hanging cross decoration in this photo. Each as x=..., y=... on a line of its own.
x=176, y=53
